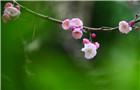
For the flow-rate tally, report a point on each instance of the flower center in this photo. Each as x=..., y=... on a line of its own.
x=67, y=24
x=124, y=26
x=89, y=50
x=77, y=32
x=11, y=12
x=77, y=23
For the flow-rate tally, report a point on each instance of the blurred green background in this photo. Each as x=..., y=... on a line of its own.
x=53, y=60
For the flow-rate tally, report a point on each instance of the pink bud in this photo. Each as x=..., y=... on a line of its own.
x=65, y=24
x=93, y=35
x=131, y=23
x=97, y=45
x=6, y=18
x=18, y=7
x=137, y=28
x=77, y=33
x=86, y=41
x=8, y=5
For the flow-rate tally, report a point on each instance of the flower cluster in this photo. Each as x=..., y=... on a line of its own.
x=125, y=27
x=76, y=25
x=10, y=12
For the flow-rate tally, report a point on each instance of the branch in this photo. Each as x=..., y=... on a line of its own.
x=89, y=29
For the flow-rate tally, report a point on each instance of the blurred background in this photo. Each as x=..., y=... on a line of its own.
x=53, y=60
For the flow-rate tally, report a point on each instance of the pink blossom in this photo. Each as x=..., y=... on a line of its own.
x=76, y=22
x=65, y=24
x=90, y=50
x=77, y=33
x=17, y=7
x=131, y=23
x=124, y=27
x=86, y=41
x=8, y=5
x=12, y=11
x=97, y=45
x=6, y=18
x=93, y=35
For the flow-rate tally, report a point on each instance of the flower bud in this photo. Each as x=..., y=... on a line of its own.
x=131, y=23
x=6, y=18
x=17, y=7
x=86, y=41
x=137, y=28
x=8, y=5
x=93, y=35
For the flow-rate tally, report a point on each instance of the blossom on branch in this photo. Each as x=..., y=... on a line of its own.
x=65, y=24
x=90, y=47
x=124, y=27
x=77, y=33
x=76, y=23
x=90, y=50
x=10, y=12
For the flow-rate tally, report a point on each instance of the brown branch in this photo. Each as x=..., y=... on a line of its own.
x=89, y=29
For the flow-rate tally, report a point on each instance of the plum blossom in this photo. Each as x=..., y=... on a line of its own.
x=77, y=33
x=65, y=24
x=8, y=5
x=90, y=50
x=76, y=22
x=12, y=11
x=124, y=27
x=76, y=25
x=6, y=18
x=86, y=41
